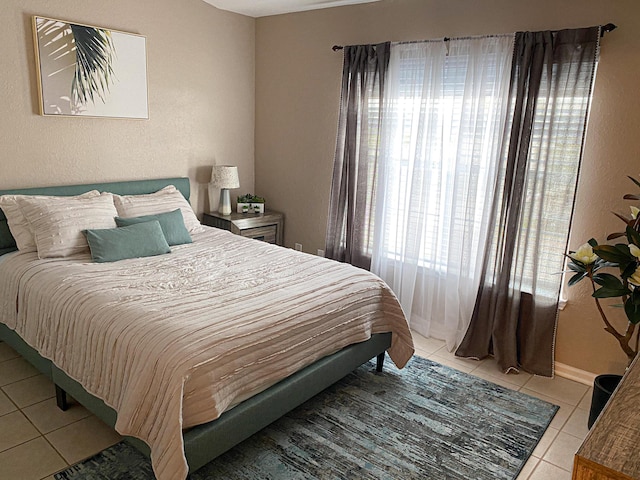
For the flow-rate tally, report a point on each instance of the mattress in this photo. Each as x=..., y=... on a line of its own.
x=173, y=341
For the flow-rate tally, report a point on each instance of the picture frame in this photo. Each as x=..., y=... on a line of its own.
x=89, y=71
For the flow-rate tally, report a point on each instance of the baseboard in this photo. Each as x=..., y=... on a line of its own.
x=575, y=374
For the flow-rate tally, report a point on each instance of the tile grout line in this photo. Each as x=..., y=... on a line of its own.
x=18, y=381
x=40, y=433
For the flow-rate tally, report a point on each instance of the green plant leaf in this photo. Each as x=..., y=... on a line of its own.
x=602, y=264
x=635, y=297
x=605, y=292
x=632, y=310
x=576, y=278
x=634, y=180
x=592, y=242
x=630, y=196
x=629, y=269
x=608, y=281
x=624, y=249
x=576, y=267
x=633, y=236
x=613, y=254
x=613, y=236
x=250, y=198
x=623, y=218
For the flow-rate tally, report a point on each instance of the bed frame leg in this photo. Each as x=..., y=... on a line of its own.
x=379, y=362
x=61, y=399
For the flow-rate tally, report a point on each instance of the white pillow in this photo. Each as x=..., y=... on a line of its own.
x=165, y=200
x=19, y=225
x=58, y=223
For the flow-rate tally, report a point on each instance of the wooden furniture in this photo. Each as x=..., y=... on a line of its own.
x=267, y=226
x=610, y=449
x=204, y=442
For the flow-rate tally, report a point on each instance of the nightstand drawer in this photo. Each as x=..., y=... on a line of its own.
x=265, y=226
x=266, y=234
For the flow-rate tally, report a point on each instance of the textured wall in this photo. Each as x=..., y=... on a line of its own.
x=200, y=67
x=297, y=89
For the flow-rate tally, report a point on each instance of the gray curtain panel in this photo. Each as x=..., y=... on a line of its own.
x=516, y=309
x=350, y=222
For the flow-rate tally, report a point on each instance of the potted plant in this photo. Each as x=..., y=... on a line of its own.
x=249, y=203
x=614, y=272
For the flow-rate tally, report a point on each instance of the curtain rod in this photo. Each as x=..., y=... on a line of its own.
x=603, y=29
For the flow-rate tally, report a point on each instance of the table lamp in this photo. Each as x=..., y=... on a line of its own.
x=225, y=177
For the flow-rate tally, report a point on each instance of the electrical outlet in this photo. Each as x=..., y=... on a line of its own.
x=320, y=253
x=298, y=247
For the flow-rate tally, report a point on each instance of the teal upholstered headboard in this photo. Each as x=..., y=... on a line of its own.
x=135, y=187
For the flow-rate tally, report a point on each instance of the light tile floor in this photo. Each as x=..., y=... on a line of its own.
x=38, y=439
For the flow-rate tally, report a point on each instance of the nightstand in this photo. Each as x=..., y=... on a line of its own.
x=265, y=226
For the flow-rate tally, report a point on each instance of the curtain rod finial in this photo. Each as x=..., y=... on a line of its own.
x=335, y=48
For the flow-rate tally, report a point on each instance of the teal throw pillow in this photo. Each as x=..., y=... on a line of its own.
x=139, y=240
x=172, y=224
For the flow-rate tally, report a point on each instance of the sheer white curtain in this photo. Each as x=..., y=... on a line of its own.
x=442, y=127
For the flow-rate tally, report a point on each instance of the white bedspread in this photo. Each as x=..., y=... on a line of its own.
x=175, y=340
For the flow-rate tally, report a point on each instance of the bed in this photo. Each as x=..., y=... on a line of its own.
x=32, y=304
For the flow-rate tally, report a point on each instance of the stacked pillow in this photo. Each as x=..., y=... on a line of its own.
x=57, y=222
x=113, y=227
x=165, y=200
x=18, y=223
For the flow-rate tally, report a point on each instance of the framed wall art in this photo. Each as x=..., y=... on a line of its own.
x=90, y=71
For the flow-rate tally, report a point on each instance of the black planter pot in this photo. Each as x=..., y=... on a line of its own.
x=603, y=387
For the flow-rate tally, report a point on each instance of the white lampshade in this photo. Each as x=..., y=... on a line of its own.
x=225, y=176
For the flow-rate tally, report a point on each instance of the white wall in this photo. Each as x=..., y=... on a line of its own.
x=200, y=66
x=297, y=91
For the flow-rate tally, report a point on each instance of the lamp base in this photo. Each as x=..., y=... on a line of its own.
x=224, y=206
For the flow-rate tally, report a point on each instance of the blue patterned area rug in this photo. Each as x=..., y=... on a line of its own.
x=426, y=421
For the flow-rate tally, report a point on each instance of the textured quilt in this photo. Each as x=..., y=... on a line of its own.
x=173, y=341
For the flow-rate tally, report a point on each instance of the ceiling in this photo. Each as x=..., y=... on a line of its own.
x=263, y=8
